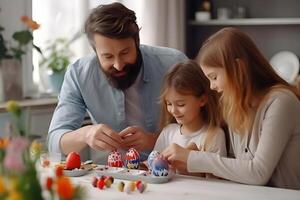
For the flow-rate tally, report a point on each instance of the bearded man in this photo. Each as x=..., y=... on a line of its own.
x=118, y=86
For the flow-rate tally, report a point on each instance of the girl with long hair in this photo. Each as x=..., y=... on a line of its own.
x=262, y=112
x=190, y=112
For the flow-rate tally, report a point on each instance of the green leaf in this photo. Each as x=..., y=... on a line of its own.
x=3, y=49
x=23, y=37
x=37, y=48
x=18, y=53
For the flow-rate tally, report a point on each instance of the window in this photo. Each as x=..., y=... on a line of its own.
x=62, y=19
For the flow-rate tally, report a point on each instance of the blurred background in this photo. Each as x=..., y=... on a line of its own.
x=182, y=24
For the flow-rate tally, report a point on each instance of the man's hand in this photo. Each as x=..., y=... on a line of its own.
x=102, y=137
x=177, y=156
x=136, y=137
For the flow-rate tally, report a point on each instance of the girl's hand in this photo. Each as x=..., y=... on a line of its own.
x=177, y=156
x=138, y=138
x=192, y=146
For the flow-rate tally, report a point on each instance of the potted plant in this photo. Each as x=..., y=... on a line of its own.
x=11, y=53
x=56, y=58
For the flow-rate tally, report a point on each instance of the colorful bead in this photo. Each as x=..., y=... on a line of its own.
x=142, y=187
x=94, y=181
x=131, y=186
x=137, y=183
x=121, y=186
x=100, y=184
x=128, y=189
x=112, y=179
x=107, y=182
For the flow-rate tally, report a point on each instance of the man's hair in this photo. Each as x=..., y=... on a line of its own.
x=113, y=21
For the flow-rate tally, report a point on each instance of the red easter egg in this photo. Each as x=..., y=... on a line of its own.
x=115, y=159
x=132, y=154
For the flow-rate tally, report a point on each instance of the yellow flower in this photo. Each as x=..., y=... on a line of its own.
x=35, y=149
x=12, y=184
x=13, y=107
x=14, y=195
x=2, y=186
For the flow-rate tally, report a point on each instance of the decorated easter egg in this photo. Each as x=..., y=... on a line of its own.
x=151, y=157
x=132, y=159
x=114, y=159
x=160, y=166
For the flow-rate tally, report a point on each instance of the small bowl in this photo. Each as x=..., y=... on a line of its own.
x=202, y=16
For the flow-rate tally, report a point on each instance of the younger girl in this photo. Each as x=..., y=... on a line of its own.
x=190, y=112
x=261, y=109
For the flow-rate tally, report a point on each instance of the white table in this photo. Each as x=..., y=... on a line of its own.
x=186, y=187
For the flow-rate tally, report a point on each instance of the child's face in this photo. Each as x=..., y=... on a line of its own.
x=217, y=77
x=184, y=108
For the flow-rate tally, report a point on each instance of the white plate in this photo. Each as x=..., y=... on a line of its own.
x=132, y=174
x=76, y=172
x=286, y=64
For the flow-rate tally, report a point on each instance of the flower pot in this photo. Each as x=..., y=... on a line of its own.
x=11, y=72
x=56, y=79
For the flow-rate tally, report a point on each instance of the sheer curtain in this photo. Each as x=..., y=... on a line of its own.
x=162, y=23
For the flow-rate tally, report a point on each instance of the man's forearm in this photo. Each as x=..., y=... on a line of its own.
x=74, y=141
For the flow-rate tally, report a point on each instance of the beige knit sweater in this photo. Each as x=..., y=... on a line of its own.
x=271, y=153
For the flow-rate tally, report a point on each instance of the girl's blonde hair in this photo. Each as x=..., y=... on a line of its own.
x=248, y=74
x=187, y=78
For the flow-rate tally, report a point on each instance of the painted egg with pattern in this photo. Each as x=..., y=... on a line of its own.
x=151, y=157
x=132, y=159
x=115, y=159
x=160, y=166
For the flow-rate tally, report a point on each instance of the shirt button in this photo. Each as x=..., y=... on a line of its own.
x=119, y=113
x=246, y=150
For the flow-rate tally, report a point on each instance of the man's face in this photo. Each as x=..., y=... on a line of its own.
x=119, y=60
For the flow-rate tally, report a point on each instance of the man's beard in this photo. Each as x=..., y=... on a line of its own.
x=131, y=73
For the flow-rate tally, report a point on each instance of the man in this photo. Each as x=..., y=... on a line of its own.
x=118, y=87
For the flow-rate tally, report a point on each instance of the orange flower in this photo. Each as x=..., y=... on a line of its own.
x=30, y=23
x=59, y=171
x=65, y=189
x=24, y=18
x=4, y=142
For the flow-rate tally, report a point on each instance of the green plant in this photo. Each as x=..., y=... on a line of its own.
x=22, y=39
x=18, y=173
x=58, y=54
x=58, y=57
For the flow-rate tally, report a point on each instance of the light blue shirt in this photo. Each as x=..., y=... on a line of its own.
x=86, y=90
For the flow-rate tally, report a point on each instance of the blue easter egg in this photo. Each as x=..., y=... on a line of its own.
x=151, y=157
x=160, y=167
